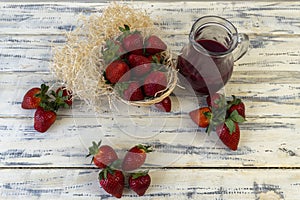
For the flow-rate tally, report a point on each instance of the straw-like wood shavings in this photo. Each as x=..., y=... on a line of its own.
x=78, y=64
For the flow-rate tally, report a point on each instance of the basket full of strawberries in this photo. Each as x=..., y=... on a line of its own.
x=138, y=67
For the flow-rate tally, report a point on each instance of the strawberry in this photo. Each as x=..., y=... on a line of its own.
x=135, y=157
x=238, y=105
x=30, y=101
x=140, y=65
x=164, y=105
x=157, y=58
x=229, y=134
x=102, y=155
x=133, y=92
x=201, y=116
x=132, y=41
x=139, y=182
x=43, y=119
x=154, y=45
x=112, y=181
x=67, y=94
x=45, y=115
x=116, y=71
x=216, y=101
x=113, y=50
x=155, y=82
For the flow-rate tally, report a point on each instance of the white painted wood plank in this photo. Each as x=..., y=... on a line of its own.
x=24, y=53
x=254, y=17
x=272, y=142
x=221, y=184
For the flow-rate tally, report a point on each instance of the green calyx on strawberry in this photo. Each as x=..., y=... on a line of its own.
x=130, y=91
x=139, y=182
x=238, y=105
x=49, y=103
x=132, y=41
x=113, y=51
x=112, y=181
x=103, y=155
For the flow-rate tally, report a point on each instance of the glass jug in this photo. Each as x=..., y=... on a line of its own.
x=207, y=60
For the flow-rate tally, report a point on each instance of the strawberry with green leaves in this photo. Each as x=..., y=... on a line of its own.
x=132, y=41
x=238, y=105
x=201, y=116
x=135, y=157
x=34, y=96
x=229, y=131
x=63, y=92
x=112, y=51
x=139, y=182
x=45, y=114
x=103, y=155
x=112, y=181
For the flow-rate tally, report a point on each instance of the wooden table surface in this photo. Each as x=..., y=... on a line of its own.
x=193, y=165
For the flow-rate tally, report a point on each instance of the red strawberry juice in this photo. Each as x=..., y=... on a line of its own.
x=204, y=68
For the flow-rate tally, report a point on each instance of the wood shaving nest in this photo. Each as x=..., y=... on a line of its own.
x=78, y=64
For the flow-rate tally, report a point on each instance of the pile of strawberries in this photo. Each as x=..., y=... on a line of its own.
x=46, y=104
x=223, y=116
x=134, y=65
x=116, y=172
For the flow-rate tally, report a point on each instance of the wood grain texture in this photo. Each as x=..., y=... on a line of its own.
x=53, y=165
x=218, y=184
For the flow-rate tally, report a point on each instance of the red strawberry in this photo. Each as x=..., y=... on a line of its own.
x=102, y=155
x=140, y=65
x=154, y=45
x=30, y=101
x=116, y=71
x=43, y=119
x=155, y=82
x=133, y=92
x=229, y=134
x=238, y=105
x=132, y=41
x=201, y=116
x=139, y=182
x=164, y=105
x=216, y=100
x=112, y=181
x=135, y=157
x=66, y=94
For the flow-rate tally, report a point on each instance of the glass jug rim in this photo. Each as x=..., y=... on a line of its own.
x=195, y=28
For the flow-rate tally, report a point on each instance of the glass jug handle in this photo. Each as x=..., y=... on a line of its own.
x=243, y=45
